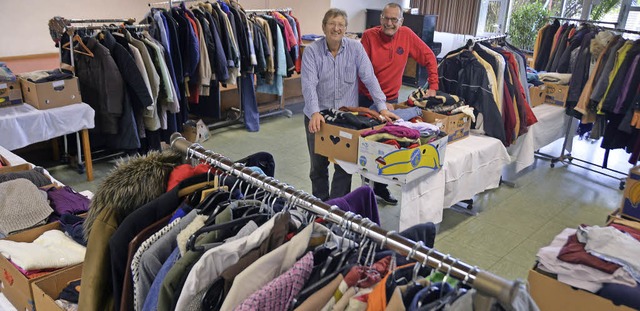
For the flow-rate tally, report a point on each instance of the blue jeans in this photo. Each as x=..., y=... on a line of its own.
x=249, y=103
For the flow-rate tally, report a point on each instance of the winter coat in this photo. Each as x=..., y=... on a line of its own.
x=129, y=186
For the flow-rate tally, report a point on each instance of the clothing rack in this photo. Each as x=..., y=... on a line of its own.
x=268, y=10
x=170, y=2
x=488, y=285
x=70, y=30
x=567, y=158
x=108, y=20
x=471, y=41
x=582, y=20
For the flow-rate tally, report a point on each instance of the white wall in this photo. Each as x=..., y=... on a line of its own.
x=24, y=23
x=356, y=11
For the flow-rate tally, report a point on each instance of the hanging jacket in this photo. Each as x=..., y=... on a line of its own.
x=463, y=75
x=545, y=46
x=101, y=86
x=120, y=194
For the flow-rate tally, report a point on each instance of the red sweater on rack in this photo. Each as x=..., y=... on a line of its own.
x=389, y=56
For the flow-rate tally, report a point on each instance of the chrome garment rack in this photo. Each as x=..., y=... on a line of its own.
x=567, y=158
x=488, y=285
x=64, y=25
x=581, y=20
x=268, y=10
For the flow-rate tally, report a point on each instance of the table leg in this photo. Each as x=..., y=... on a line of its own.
x=86, y=149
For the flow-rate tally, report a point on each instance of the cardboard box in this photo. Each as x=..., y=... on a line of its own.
x=538, y=95
x=13, y=284
x=631, y=198
x=335, y=142
x=10, y=94
x=4, y=162
x=556, y=94
x=401, y=165
x=195, y=132
x=47, y=289
x=457, y=126
x=550, y=294
x=53, y=94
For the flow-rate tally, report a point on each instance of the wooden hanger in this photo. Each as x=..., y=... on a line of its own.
x=84, y=50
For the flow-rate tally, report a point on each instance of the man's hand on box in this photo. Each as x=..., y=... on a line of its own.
x=316, y=122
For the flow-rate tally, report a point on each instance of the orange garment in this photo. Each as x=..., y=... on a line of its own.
x=583, y=101
x=378, y=297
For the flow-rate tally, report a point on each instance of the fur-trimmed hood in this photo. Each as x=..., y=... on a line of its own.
x=134, y=182
x=599, y=43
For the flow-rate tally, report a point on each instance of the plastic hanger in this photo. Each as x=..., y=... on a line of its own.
x=258, y=218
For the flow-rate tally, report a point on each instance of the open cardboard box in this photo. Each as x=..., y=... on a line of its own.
x=338, y=143
x=13, y=284
x=47, y=289
x=457, y=126
x=401, y=165
x=551, y=294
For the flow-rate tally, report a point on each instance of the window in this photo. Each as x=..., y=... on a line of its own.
x=492, y=17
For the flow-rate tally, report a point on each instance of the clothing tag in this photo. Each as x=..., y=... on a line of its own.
x=346, y=135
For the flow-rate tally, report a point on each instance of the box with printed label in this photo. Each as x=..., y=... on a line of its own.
x=52, y=94
x=10, y=94
x=556, y=94
x=551, y=294
x=338, y=143
x=15, y=285
x=538, y=95
x=401, y=165
x=457, y=126
x=631, y=198
x=47, y=289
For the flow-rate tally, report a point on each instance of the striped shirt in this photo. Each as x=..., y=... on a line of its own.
x=329, y=82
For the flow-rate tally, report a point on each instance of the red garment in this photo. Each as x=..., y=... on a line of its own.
x=573, y=252
x=392, y=142
x=290, y=38
x=389, y=57
x=530, y=116
x=508, y=116
x=184, y=171
x=299, y=59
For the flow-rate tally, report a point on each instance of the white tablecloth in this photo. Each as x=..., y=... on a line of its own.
x=551, y=125
x=23, y=125
x=471, y=166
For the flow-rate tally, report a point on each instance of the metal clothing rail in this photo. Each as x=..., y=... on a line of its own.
x=268, y=10
x=97, y=27
x=107, y=20
x=489, y=38
x=488, y=285
x=567, y=158
x=170, y=2
x=582, y=20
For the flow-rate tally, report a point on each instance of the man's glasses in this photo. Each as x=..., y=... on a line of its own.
x=391, y=19
x=336, y=25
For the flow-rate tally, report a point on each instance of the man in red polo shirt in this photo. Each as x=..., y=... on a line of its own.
x=389, y=46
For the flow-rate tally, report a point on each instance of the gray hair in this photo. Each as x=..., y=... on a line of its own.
x=395, y=5
x=333, y=12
